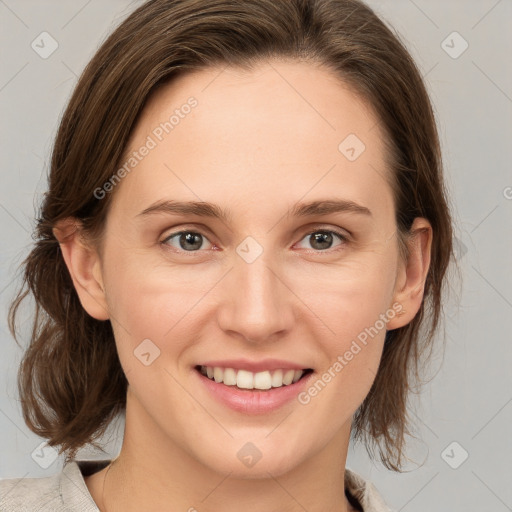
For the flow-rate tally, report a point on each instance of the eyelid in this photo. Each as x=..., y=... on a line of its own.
x=180, y=228
x=344, y=233
x=312, y=229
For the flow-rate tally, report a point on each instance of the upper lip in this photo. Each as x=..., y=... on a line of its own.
x=255, y=366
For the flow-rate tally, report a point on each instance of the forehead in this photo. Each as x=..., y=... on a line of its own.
x=282, y=131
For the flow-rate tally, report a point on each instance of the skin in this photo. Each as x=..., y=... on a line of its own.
x=257, y=143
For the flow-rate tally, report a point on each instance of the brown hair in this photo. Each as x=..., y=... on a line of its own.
x=70, y=380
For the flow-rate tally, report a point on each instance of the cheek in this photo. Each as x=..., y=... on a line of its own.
x=354, y=311
x=352, y=355
x=353, y=297
x=156, y=315
x=147, y=296
x=152, y=324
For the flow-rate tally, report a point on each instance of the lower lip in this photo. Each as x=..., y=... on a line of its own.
x=253, y=401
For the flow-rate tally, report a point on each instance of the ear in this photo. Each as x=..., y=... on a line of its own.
x=84, y=265
x=410, y=281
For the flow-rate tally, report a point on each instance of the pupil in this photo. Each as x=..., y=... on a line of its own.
x=190, y=238
x=324, y=239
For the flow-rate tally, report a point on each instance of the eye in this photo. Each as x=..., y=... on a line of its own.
x=192, y=241
x=322, y=239
x=188, y=241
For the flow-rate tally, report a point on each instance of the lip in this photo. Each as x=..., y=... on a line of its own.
x=255, y=366
x=253, y=401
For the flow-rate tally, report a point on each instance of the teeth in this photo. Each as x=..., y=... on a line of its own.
x=262, y=380
x=288, y=377
x=277, y=378
x=244, y=379
x=229, y=377
x=217, y=374
x=297, y=375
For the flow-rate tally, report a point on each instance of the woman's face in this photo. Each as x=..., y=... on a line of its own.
x=273, y=284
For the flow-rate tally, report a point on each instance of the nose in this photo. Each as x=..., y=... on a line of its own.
x=257, y=305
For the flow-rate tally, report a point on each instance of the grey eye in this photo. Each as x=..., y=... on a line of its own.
x=188, y=241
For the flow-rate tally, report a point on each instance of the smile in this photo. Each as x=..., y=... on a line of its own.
x=244, y=379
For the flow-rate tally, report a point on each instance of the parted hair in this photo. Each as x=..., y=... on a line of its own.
x=70, y=380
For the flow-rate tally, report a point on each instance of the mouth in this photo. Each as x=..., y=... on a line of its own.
x=253, y=381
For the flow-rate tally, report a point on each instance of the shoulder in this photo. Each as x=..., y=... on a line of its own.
x=365, y=493
x=24, y=494
x=63, y=492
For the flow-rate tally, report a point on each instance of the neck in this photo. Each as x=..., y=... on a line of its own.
x=154, y=473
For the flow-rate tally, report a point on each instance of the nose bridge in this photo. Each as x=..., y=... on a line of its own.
x=257, y=303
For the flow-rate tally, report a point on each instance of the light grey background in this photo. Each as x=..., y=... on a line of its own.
x=469, y=399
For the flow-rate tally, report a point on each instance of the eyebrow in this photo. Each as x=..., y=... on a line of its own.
x=206, y=209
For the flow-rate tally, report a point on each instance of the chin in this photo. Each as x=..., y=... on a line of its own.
x=246, y=460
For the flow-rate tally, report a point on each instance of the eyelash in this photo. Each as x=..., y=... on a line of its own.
x=344, y=239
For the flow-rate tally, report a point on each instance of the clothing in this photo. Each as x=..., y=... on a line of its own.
x=67, y=492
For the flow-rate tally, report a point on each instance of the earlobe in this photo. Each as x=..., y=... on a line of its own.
x=84, y=266
x=410, y=284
